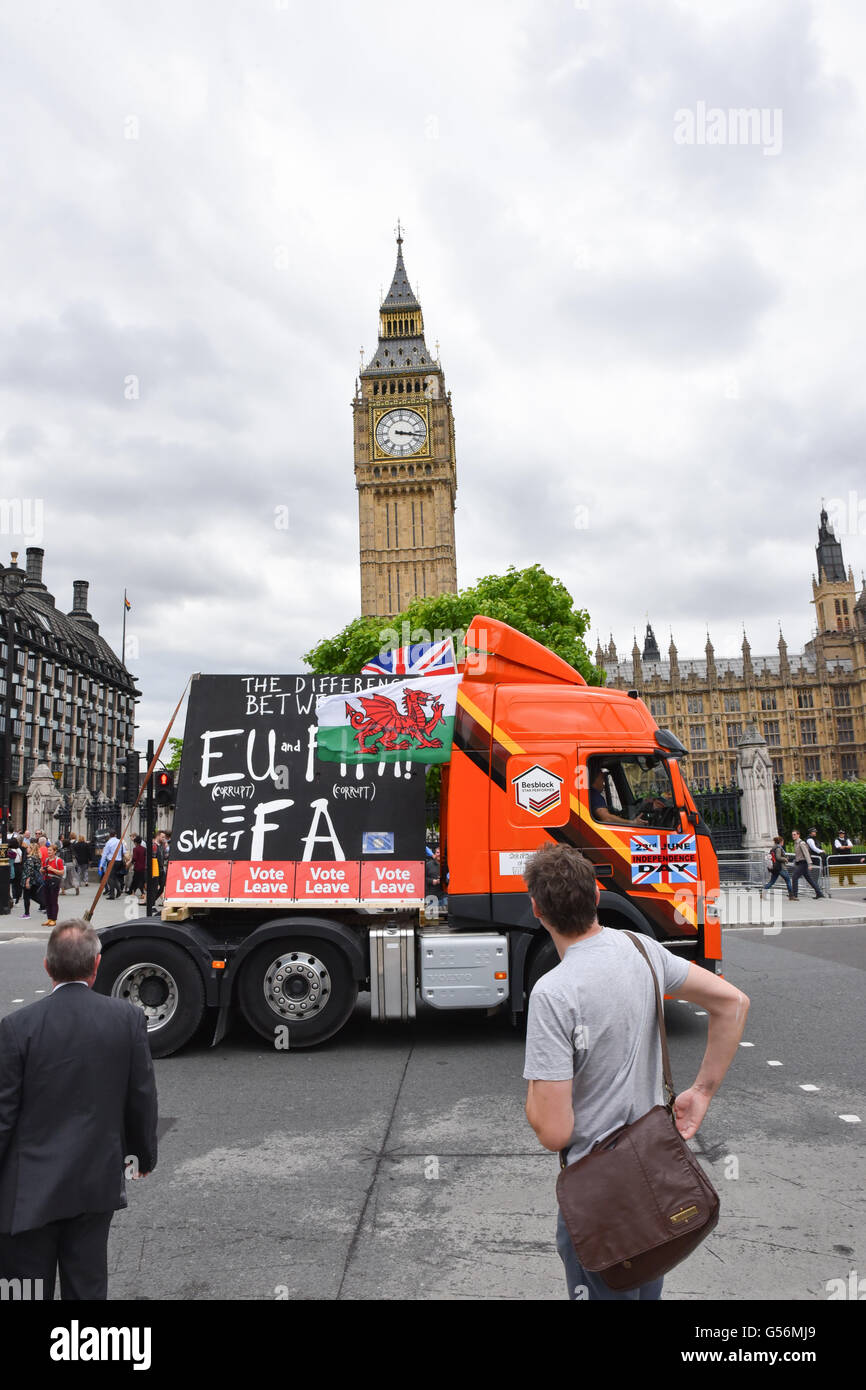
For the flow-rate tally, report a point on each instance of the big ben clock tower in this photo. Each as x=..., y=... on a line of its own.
x=405, y=469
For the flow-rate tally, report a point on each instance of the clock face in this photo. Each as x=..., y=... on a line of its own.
x=401, y=432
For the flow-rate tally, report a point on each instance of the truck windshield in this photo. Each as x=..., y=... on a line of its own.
x=632, y=789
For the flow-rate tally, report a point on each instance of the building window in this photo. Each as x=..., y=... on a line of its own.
x=697, y=736
x=808, y=731
x=735, y=733
x=659, y=707
x=778, y=769
x=771, y=733
x=695, y=704
x=812, y=769
x=732, y=704
x=804, y=699
x=845, y=728
x=849, y=767
x=700, y=773
x=842, y=697
x=768, y=699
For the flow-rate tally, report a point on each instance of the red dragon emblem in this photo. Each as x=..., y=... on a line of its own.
x=380, y=721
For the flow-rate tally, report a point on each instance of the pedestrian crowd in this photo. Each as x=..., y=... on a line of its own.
x=809, y=858
x=41, y=870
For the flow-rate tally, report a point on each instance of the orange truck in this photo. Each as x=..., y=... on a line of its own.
x=295, y=884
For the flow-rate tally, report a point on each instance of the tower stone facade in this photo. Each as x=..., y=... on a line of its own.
x=810, y=707
x=405, y=465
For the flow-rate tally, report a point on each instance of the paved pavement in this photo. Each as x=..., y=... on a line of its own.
x=749, y=907
x=740, y=907
x=107, y=913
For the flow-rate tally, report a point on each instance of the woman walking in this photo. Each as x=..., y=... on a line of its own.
x=779, y=859
x=82, y=858
x=139, y=864
x=53, y=870
x=31, y=871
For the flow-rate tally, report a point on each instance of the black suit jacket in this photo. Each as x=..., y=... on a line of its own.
x=77, y=1099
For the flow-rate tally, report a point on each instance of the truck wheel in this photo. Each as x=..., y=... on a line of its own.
x=161, y=980
x=543, y=958
x=305, y=987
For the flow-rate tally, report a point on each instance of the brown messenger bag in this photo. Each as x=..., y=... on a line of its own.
x=639, y=1202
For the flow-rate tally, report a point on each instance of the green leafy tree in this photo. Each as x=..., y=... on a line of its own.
x=829, y=806
x=173, y=761
x=530, y=600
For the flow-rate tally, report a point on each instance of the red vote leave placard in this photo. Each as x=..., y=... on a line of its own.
x=191, y=879
x=392, y=880
x=320, y=880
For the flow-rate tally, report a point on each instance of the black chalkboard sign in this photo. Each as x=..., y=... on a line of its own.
x=261, y=820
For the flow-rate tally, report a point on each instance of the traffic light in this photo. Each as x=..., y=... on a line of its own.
x=164, y=787
x=129, y=779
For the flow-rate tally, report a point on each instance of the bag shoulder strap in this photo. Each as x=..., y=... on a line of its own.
x=660, y=1015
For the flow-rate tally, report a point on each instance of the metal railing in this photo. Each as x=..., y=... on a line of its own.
x=847, y=871
x=747, y=868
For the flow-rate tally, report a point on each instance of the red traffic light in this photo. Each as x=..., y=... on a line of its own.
x=164, y=788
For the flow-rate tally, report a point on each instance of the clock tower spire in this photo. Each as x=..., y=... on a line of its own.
x=405, y=468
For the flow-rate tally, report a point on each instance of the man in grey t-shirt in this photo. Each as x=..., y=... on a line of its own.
x=593, y=1053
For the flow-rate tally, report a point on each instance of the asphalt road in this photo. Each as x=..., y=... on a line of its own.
x=395, y=1162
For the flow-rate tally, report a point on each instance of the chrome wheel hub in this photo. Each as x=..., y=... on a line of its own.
x=152, y=989
x=297, y=986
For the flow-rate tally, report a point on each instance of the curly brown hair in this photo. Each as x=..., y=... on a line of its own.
x=561, y=883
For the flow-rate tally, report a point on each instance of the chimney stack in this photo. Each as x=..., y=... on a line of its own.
x=35, y=556
x=79, y=597
x=33, y=579
x=79, y=610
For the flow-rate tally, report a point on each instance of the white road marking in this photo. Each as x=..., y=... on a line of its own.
x=807, y=1086
x=850, y=1119
x=747, y=1044
x=774, y=1064
x=39, y=991
x=700, y=1013
x=17, y=1001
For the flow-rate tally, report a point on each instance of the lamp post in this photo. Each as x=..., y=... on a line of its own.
x=11, y=585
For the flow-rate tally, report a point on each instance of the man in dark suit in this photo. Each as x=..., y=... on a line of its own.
x=78, y=1113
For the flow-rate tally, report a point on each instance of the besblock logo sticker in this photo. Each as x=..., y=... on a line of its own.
x=537, y=790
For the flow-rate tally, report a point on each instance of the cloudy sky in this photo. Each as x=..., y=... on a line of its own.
x=650, y=314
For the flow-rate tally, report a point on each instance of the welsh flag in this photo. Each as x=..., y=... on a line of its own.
x=404, y=721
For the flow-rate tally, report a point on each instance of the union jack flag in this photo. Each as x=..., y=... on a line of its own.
x=664, y=859
x=421, y=659
x=682, y=859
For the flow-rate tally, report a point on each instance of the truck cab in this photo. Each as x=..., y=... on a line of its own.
x=539, y=755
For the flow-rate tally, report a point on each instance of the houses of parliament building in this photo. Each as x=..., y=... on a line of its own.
x=810, y=706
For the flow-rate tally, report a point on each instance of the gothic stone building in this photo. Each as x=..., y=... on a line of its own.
x=810, y=707
x=405, y=467
x=73, y=700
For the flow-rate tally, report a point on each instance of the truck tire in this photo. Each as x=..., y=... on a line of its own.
x=544, y=957
x=303, y=988
x=161, y=979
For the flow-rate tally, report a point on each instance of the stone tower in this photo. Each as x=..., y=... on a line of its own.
x=833, y=592
x=405, y=467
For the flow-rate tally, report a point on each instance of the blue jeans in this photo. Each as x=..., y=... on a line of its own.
x=774, y=875
x=583, y=1286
